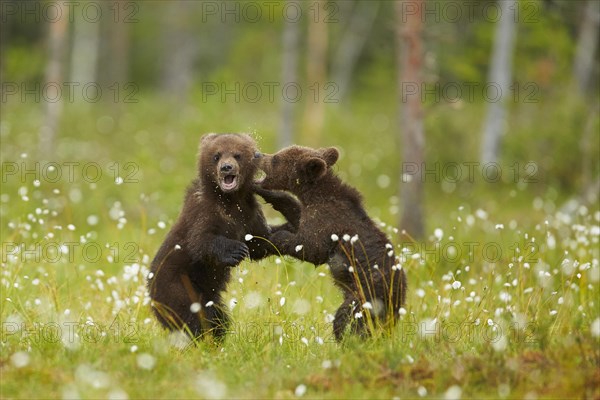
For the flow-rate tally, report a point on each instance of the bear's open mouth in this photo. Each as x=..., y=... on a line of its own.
x=229, y=182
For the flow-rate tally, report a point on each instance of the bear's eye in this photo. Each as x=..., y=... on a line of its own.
x=237, y=156
x=216, y=157
x=257, y=154
x=275, y=160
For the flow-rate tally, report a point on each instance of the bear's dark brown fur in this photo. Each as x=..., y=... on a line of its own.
x=192, y=266
x=334, y=228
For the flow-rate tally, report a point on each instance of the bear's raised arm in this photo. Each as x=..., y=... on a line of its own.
x=217, y=250
x=284, y=203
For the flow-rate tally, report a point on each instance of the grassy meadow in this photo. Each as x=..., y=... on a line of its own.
x=504, y=292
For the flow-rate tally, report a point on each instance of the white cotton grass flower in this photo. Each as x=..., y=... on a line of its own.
x=195, y=307
x=354, y=239
x=456, y=285
x=595, y=328
x=358, y=315
x=500, y=344
x=209, y=303
x=334, y=237
x=282, y=301
x=300, y=390
x=346, y=237
x=146, y=361
x=178, y=339
x=116, y=394
x=367, y=305
x=438, y=233
x=454, y=392
x=248, y=237
x=20, y=359
x=253, y=300
x=177, y=247
x=299, y=247
x=301, y=307
x=208, y=386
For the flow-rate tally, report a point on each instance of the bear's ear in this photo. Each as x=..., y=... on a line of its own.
x=248, y=137
x=207, y=138
x=330, y=155
x=314, y=168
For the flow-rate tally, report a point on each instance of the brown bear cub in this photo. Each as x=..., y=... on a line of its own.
x=334, y=228
x=192, y=267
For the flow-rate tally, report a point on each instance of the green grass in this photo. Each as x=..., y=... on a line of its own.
x=503, y=298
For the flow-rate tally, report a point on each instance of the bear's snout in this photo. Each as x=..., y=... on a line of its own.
x=229, y=179
x=226, y=167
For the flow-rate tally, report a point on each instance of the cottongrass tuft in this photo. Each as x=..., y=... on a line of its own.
x=146, y=361
x=595, y=328
x=253, y=300
x=300, y=390
x=208, y=386
x=20, y=359
x=454, y=392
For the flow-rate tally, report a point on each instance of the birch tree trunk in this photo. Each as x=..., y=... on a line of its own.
x=84, y=58
x=54, y=76
x=180, y=49
x=409, y=27
x=500, y=76
x=316, y=72
x=289, y=74
x=352, y=43
x=583, y=65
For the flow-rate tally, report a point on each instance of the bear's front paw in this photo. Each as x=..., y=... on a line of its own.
x=233, y=253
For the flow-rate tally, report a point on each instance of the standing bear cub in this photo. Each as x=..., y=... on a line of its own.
x=334, y=228
x=192, y=267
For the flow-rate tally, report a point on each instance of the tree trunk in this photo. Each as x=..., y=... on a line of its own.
x=113, y=70
x=352, y=43
x=180, y=49
x=316, y=72
x=84, y=58
x=54, y=76
x=409, y=26
x=499, y=76
x=289, y=74
x=587, y=44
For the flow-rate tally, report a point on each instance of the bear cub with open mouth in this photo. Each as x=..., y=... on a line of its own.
x=220, y=211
